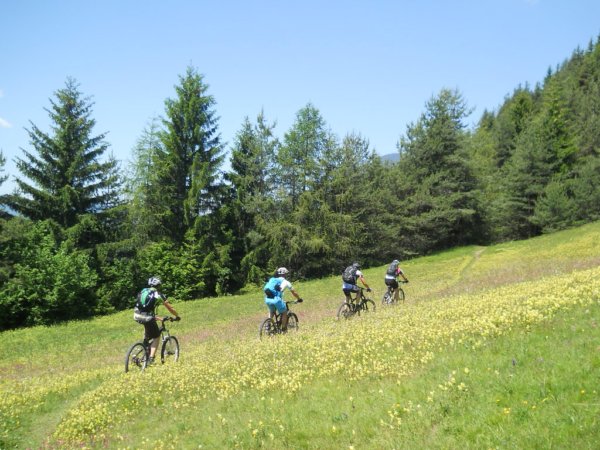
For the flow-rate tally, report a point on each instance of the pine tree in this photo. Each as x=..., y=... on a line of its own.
x=3, y=178
x=191, y=156
x=441, y=198
x=252, y=182
x=301, y=153
x=148, y=206
x=68, y=177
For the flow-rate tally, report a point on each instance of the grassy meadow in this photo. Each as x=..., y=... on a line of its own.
x=495, y=347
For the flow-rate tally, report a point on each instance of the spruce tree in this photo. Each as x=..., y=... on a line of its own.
x=252, y=182
x=191, y=155
x=301, y=153
x=440, y=197
x=3, y=178
x=68, y=177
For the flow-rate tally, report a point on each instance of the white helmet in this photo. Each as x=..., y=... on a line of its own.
x=282, y=271
x=154, y=281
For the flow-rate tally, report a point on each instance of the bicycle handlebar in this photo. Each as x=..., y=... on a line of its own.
x=171, y=319
x=300, y=300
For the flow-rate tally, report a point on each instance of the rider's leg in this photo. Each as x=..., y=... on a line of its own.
x=153, y=347
x=348, y=296
x=284, y=321
x=152, y=332
x=271, y=306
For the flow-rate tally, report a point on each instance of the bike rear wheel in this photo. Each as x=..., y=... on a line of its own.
x=136, y=357
x=388, y=298
x=345, y=311
x=267, y=328
x=169, y=353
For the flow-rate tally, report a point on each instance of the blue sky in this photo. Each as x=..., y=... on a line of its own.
x=369, y=67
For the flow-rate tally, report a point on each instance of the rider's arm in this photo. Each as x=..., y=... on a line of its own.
x=169, y=307
x=362, y=280
x=295, y=294
x=401, y=273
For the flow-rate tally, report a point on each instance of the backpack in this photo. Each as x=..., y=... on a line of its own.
x=349, y=275
x=392, y=268
x=272, y=287
x=146, y=300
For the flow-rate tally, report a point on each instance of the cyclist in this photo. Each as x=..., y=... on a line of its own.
x=274, y=295
x=391, y=277
x=350, y=276
x=145, y=312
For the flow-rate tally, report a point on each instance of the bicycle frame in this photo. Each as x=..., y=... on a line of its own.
x=359, y=298
x=277, y=315
x=164, y=335
x=138, y=355
x=272, y=324
x=356, y=304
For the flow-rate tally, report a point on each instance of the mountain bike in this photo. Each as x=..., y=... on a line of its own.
x=388, y=297
x=138, y=355
x=272, y=325
x=356, y=305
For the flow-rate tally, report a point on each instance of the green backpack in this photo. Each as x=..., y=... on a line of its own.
x=146, y=300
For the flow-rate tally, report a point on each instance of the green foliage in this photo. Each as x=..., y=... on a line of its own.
x=252, y=181
x=308, y=201
x=176, y=266
x=456, y=366
x=3, y=178
x=191, y=155
x=50, y=282
x=69, y=179
x=439, y=191
x=119, y=275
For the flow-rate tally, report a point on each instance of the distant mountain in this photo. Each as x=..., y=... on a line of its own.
x=391, y=157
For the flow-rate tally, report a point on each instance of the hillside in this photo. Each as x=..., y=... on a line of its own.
x=495, y=347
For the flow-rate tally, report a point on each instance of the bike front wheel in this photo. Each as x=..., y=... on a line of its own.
x=345, y=311
x=136, y=357
x=292, y=322
x=400, y=295
x=367, y=305
x=169, y=353
x=267, y=328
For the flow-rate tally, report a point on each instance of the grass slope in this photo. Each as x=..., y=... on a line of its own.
x=496, y=347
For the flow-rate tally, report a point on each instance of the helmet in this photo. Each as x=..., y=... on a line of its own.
x=355, y=264
x=282, y=271
x=395, y=261
x=154, y=281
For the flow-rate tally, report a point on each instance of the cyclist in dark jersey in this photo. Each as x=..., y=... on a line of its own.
x=391, y=277
x=146, y=313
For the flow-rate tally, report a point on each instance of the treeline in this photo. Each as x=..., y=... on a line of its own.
x=81, y=234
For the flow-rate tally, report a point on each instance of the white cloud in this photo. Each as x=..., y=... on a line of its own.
x=5, y=123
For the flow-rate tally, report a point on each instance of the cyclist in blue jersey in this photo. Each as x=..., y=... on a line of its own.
x=274, y=295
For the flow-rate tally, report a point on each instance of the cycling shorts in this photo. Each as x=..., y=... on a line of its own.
x=347, y=288
x=151, y=330
x=276, y=303
x=392, y=282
